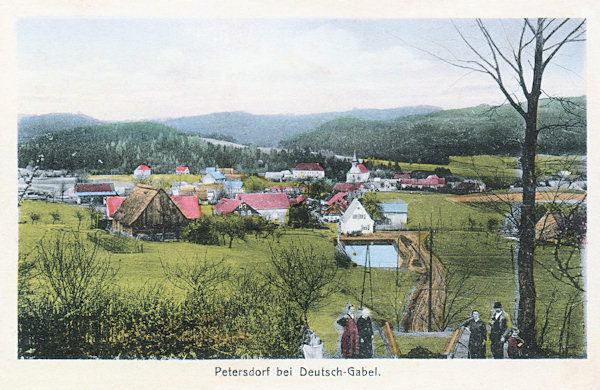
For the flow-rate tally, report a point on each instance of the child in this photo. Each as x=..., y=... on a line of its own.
x=514, y=344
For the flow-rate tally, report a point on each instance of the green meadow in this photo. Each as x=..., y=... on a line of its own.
x=479, y=262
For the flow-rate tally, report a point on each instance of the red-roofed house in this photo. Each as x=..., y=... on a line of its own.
x=358, y=173
x=347, y=187
x=142, y=171
x=112, y=204
x=308, y=171
x=402, y=176
x=181, y=170
x=188, y=205
x=228, y=206
x=339, y=200
x=273, y=207
x=94, y=193
x=432, y=181
x=297, y=200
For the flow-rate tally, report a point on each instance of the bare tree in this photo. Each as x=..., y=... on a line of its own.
x=526, y=61
x=72, y=269
x=305, y=277
x=201, y=277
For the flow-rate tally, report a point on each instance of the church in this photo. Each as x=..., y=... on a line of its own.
x=358, y=173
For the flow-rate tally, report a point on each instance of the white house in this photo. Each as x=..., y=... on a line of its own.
x=358, y=173
x=278, y=176
x=308, y=171
x=356, y=219
x=142, y=171
x=181, y=170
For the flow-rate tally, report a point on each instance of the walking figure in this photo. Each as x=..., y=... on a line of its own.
x=514, y=344
x=349, y=339
x=498, y=330
x=365, y=334
x=477, y=337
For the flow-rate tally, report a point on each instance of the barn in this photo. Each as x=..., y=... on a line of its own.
x=150, y=213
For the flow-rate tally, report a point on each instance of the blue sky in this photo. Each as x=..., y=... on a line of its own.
x=127, y=69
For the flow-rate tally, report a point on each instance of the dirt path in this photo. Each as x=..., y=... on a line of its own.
x=417, y=313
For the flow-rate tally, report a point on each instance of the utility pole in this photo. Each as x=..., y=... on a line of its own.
x=430, y=278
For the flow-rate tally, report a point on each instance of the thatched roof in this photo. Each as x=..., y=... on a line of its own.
x=136, y=203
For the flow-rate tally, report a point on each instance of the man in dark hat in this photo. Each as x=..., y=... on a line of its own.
x=477, y=337
x=498, y=330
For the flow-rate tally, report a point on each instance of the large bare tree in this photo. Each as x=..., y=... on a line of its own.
x=525, y=60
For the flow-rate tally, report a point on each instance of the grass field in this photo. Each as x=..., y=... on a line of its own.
x=468, y=166
x=137, y=270
x=162, y=180
x=485, y=256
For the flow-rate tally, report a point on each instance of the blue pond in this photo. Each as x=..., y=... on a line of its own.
x=382, y=256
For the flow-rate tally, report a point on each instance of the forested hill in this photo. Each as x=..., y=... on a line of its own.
x=269, y=130
x=32, y=126
x=432, y=138
x=119, y=148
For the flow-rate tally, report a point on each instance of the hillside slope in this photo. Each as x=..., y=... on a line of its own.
x=434, y=137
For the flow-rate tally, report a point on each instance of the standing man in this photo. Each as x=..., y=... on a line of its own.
x=477, y=337
x=498, y=330
x=365, y=334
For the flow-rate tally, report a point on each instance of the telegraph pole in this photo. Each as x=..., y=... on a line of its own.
x=430, y=278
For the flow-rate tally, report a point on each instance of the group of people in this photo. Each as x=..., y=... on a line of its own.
x=499, y=335
x=356, y=340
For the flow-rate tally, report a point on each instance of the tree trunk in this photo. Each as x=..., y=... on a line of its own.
x=527, y=294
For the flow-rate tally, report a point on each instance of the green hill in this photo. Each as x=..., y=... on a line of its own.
x=433, y=137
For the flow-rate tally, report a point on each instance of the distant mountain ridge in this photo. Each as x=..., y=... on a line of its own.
x=238, y=126
x=32, y=126
x=269, y=130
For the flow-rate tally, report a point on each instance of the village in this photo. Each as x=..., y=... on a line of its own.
x=373, y=226
x=301, y=189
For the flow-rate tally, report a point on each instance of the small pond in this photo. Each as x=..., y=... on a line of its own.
x=382, y=256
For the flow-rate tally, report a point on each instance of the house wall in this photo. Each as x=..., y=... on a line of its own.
x=274, y=214
x=141, y=173
x=360, y=221
x=306, y=174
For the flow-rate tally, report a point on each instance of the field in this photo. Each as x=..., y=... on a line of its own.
x=161, y=180
x=137, y=270
x=467, y=248
x=478, y=259
x=467, y=166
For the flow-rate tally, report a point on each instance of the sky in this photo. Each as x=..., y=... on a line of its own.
x=132, y=69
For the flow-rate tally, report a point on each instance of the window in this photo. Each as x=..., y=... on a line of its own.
x=358, y=216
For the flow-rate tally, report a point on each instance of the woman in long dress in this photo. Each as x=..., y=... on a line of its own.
x=349, y=339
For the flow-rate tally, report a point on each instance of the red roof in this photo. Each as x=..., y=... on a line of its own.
x=299, y=199
x=362, y=168
x=181, y=169
x=226, y=206
x=101, y=187
x=309, y=167
x=337, y=197
x=188, y=205
x=402, y=176
x=265, y=201
x=143, y=167
x=113, y=203
x=347, y=187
